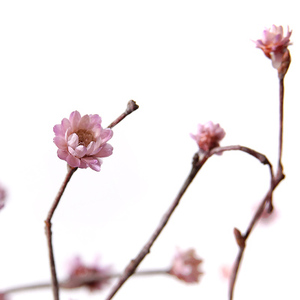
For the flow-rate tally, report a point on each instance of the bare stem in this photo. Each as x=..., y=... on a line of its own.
x=78, y=282
x=55, y=285
x=241, y=239
x=131, y=267
x=281, y=95
x=131, y=107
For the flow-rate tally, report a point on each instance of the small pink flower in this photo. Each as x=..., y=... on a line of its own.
x=208, y=136
x=274, y=44
x=2, y=198
x=94, y=277
x=186, y=266
x=81, y=141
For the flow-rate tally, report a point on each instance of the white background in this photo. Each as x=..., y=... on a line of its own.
x=184, y=63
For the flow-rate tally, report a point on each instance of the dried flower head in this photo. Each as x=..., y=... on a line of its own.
x=208, y=136
x=274, y=44
x=94, y=277
x=2, y=197
x=186, y=266
x=81, y=141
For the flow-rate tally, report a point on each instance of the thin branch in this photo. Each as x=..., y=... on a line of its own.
x=55, y=286
x=253, y=222
x=79, y=281
x=131, y=267
x=131, y=107
x=241, y=239
x=281, y=94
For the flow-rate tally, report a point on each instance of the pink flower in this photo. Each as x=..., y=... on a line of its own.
x=274, y=44
x=208, y=136
x=2, y=198
x=186, y=266
x=94, y=277
x=81, y=141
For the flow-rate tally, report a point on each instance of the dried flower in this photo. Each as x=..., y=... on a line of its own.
x=186, y=266
x=208, y=136
x=274, y=44
x=2, y=198
x=81, y=141
x=94, y=277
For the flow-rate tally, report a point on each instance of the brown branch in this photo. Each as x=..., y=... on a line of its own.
x=55, y=286
x=275, y=181
x=131, y=267
x=78, y=282
x=131, y=107
x=281, y=94
x=253, y=222
x=241, y=239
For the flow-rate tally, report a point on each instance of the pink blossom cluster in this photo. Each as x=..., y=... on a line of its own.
x=274, y=44
x=185, y=266
x=83, y=275
x=82, y=141
x=208, y=136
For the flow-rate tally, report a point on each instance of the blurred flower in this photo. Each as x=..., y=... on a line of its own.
x=81, y=141
x=225, y=272
x=2, y=198
x=94, y=277
x=208, y=136
x=186, y=266
x=274, y=44
x=3, y=297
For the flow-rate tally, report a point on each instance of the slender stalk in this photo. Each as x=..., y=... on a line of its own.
x=78, y=282
x=131, y=107
x=54, y=282
x=253, y=222
x=281, y=94
x=131, y=267
x=267, y=200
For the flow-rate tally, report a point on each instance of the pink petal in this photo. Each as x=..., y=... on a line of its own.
x=80, y=151
x=84, y=122
x=105, y=151
x=75, y=119
x=60, y=142
x=106, y=135
x=62, y=154
x=73, y=140
x=73, y=161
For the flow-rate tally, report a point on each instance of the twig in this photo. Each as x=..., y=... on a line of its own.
x=275, y=181
x=131, y=107
x=253, y=222
x=131, y=267
x=281, y=94
x=241, y=239
x=55, y=286
x=78, y=282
